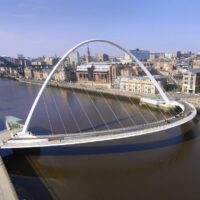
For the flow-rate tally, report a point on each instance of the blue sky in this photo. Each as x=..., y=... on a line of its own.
x=43, y=27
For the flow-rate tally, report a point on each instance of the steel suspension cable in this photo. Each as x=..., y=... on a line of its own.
x=73, y=117
x=110, y=108
x=48, y=117
x=125, y=110
x=56, y=106
x=99, y=113
x=82, y=108
x=140, y=112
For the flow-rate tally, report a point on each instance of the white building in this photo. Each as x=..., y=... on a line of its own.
x=124, y=59
x=74, y=58
x=140, y=84
x=137, y=84
x=191, y=81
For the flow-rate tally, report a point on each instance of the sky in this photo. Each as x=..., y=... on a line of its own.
x=45, y=27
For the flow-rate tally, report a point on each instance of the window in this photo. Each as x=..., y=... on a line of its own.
x=149, y=89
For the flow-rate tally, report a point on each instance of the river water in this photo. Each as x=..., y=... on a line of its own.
x=159, y=166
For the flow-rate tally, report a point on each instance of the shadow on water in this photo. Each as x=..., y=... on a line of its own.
x=27, y=184
x=111, y=149
x=43, y=131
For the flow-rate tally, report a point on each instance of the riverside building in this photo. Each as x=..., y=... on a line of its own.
x=191, y=81
x=141, y=84
x=98, y=73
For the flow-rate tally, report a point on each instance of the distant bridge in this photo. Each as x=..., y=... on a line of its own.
x=22, y=138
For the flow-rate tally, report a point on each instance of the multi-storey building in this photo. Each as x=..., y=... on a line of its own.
x=181, y=54
x=44, y=62
x=40, y=74
x=166, y=65
x=7, y=67
x=141, y=84
x=101, y=57
x=196, y=63
x=74, y=58
x=191, y=81
x=60, y=75
x=28, y=73
x=141, y=55
x=99, y=73
x=128, y=70
x=137, y=84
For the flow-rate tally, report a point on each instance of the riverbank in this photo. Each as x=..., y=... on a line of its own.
x=8, y=77
x=104, y=90
x=82, y=87
x=7, y=190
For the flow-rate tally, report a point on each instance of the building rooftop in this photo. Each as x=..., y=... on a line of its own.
x=97, y=67
x=126, y=78
x=183, y=65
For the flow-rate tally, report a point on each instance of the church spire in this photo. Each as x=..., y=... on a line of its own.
x=88, y=57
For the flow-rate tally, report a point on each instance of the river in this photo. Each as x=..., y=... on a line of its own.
x=158, y=166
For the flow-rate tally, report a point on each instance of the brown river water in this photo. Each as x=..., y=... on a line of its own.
x=163, y=165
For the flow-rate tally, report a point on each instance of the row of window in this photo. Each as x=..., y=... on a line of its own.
x=136, y=88
x=83, y=75
x=100, y=76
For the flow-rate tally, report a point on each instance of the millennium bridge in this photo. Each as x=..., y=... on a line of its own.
x=23, y=138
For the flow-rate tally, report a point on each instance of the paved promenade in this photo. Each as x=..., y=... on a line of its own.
x=7, y=191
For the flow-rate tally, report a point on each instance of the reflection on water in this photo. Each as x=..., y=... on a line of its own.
x=65, y=111
x=72, y=112
x=159, y=166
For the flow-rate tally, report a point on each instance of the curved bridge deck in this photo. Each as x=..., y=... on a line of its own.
x=100, y=136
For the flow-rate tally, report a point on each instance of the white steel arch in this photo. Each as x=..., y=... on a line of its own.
x=158, y=87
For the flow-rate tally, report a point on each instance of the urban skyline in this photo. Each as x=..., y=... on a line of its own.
x=45, y=28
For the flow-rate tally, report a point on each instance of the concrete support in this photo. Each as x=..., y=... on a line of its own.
x=7, y=190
